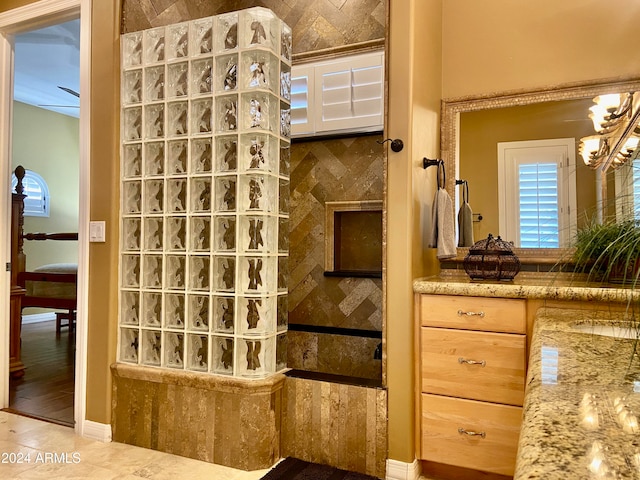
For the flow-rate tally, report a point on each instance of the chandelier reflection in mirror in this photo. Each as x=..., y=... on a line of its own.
x=615, y=119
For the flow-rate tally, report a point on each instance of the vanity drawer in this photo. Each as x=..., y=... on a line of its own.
x=447, y=366
x=473, y=313
x=445, y=421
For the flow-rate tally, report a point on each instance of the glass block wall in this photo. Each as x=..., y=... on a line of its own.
x=205, y=195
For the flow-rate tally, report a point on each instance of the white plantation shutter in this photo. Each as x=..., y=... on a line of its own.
x=36, y=204
x=345, y=95
x=538, y=199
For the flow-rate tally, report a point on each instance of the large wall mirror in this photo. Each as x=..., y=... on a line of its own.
x=477, y=135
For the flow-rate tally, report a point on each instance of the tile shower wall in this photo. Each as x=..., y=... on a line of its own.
x=344, y=169
x=205, y=195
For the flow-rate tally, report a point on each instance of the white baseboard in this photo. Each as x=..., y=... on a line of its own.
x=38, y=317
x=397, y=470
x=96, y=431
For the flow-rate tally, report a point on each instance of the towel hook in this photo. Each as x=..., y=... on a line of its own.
x=396, y=144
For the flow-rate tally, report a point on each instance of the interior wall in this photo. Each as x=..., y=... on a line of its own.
x=55, y=157
x=501, y=45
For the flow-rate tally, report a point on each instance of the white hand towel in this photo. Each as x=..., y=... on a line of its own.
x=442, y=226
x=465, y=226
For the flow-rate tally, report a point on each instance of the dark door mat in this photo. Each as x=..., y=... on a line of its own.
x=294, y=469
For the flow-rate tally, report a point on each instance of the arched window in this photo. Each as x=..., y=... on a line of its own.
x=36, y=204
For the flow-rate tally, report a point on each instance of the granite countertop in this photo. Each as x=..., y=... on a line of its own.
x=582, y=402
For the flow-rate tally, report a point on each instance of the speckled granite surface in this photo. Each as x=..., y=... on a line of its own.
x=582, y=402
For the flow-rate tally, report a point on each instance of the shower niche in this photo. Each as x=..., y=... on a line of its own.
x=205, y=122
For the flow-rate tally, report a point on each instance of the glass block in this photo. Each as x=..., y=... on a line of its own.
x=198, y=353
x=131, y=197
x=151, y=347
x=198, y=318
x=131, y=234
x=283, y=273
x=130, y=308
x=259, y=69
x=132, y=49
x=177, y=195
x=174, y=311
x=224, y=233
x=200, y=233
x=129, y=341
x=132, y=123
x=223, y=314
x=199, y=273
x=173, y=345
x=154, y=121
x=283, y=196
x=153, y=196
x=175, y=272
x=285, y=120
x=153, y=233
x=286, y=41
x=281, y=352
x=202, y=76
x=282, y=319
x=222, y=350
x=225, y=193
x=258, y=234
x=132, y=160
x=154, y=158
x=154, y=45
x=285, y=159
x=257, y=193
x=152, y=271
x=257, y=315
x=226, y=74
x=202, y=36
x=259, y=110
x=257, y=275
x=178, y=80
x=285, y=81
x=176, y=233
x=223, y=273
x=151, y=309
x=255, y=357
x=177, y=41
x=201, y=116
x=200, y=194
x=130, y=270
x=259, y=27
x=226, y=113
x=177, y=157
x=132, y=87
x=154, y=84
x=258, y=152
x=201, y=155
x=283, y=235
x=226, y=153
x=178, y=118
x=226, y=28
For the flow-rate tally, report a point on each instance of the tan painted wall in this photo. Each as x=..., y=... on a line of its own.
x=413, y=115
x=499, y=45
x=54, y=156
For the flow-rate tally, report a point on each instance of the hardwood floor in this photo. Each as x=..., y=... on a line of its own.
x=47, y=387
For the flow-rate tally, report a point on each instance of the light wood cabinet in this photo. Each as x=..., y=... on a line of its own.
x=472, y=368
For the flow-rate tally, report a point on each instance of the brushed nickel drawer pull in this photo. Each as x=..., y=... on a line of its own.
x=471, y=314
x=471, y=433
x=461, y=360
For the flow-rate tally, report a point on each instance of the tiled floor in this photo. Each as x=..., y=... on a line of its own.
x=51, y=452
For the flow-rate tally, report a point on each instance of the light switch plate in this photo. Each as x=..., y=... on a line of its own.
x=97, y=231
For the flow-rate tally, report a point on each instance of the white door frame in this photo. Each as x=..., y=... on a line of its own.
x=29, y=17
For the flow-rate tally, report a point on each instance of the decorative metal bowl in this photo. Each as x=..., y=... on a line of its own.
x=491, y=259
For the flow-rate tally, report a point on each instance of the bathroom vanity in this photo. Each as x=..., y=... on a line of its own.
x=503, y=369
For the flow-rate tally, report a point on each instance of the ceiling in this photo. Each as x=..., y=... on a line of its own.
x=45, y=60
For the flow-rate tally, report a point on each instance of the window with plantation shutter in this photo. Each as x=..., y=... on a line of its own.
x=627, y=182
x=36, y=203
x=537, y=204
x=340, y=95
